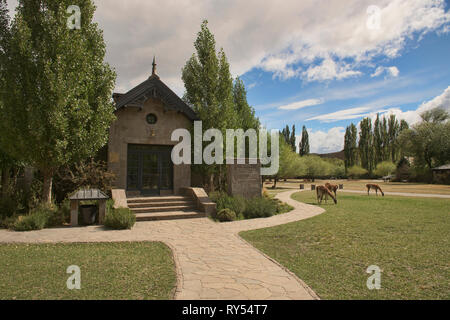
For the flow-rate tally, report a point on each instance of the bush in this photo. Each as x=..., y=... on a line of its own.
x=260, y=208
x=35, y=221
x=226, y=215
x=356, y=172
x=86, y=174
x=8, y=207
x=283, y=207
x=120, y=219
x=384, y=168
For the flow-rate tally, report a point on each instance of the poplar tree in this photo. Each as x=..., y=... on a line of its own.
x=292, y=139
x=365, y=145
x=350, y=147
x=57, y=91
x=378, y=140
x=304, y=143
x=246, y=114
x=210, y=91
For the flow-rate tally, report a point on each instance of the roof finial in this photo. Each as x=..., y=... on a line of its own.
x=154, y=66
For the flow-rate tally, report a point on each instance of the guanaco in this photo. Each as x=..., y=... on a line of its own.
x=323, y=191
x=375, y=187
x=332, y=187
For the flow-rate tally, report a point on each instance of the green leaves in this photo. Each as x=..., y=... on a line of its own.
x=57, y=88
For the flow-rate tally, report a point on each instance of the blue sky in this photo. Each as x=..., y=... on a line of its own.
x=319, y=63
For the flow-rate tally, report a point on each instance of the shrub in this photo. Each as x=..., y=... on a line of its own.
x=356, y=172
x=85, y=174
x=224, y=201
x=283, y=207
x=384, y=168
x=120, y=219
x=35, y=221
x=8, y=207
x=260, y=207
x=226, y=215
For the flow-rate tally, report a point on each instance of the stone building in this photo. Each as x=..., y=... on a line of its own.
x=139, y=150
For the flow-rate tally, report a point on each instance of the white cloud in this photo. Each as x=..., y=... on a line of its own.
x=392, y=71
x=325, y=141
x=275, y=36
x=329, y=70
x=301, y=104
x=333, y=140
x=345, y=114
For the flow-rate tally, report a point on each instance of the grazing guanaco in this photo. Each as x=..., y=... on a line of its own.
x=332, y=187
x=323, y=191
x=375, y=187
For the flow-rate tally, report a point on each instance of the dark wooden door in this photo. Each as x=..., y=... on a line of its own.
x=149, y=169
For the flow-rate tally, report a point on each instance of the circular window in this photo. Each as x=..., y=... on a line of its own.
x=151, y=118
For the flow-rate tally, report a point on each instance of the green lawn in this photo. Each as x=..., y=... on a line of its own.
x=137, y=270
x=408, y=238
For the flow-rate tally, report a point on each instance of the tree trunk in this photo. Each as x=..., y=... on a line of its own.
x=5, y=182
x=47, y=187
x=211, y=183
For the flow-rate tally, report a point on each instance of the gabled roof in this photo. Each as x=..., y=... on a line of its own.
x=153, y=87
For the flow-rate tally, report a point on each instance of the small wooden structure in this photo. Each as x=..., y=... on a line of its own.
x=87, y=195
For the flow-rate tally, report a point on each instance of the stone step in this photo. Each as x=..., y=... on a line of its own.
x=151, y=209
x=158, y=199
x=189, y=203
x=174, y=215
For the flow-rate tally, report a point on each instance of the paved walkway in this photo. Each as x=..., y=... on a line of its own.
x=212, y=261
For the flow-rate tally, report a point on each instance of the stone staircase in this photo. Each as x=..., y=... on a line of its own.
x=164, y=208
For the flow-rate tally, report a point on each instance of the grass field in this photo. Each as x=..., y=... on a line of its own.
x=139, y=270
x=361, y=186
x=408, y=238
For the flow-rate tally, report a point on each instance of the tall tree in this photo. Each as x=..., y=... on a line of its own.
x=378, y=140
x=57, y=93
x=292, y=139
x=350, y=146
x=304, y=143
x=246, y=114
x=366, y=149
x=286, y=133
x=394, y=129
x=210, y=91
x=429, y=141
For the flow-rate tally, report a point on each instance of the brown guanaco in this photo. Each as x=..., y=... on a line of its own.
x=332, y=187
x=374, y=187
x=323, y=191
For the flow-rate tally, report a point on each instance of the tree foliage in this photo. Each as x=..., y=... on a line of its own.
x=219, y=101
x=56, y=94
x=304, y=143
x=428, y=142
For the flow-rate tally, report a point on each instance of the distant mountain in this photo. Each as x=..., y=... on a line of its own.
x=338, y=155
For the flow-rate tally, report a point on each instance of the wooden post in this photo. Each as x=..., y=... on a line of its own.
x=74, y=213
x=101, y=211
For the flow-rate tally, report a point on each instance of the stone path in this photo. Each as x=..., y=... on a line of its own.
x=212, y=261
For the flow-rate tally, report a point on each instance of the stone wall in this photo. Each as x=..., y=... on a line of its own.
x=244, y=180
x=131, y=127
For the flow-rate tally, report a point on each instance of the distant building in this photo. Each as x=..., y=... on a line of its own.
x=442, y=174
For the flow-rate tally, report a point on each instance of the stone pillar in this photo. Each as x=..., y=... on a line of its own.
x=244, y=179
x=101, y=211
x=74, y=213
